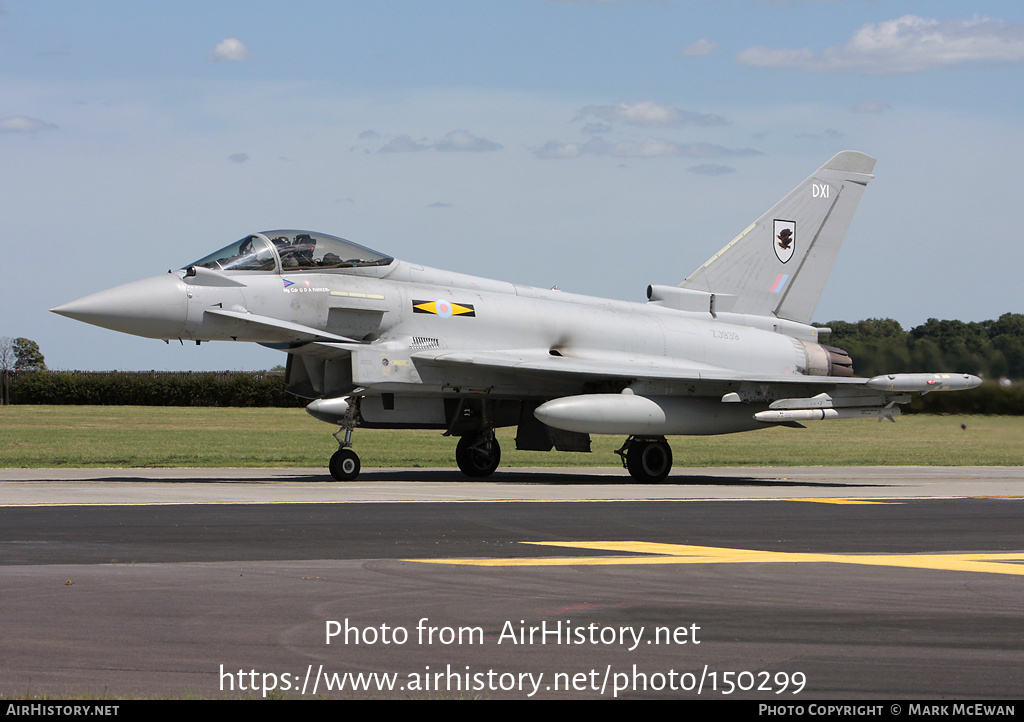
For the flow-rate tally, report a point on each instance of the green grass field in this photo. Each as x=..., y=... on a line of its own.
x=137, y=436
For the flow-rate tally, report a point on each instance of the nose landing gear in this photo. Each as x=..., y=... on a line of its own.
x=344, y=464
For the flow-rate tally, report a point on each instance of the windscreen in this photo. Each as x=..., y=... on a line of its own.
x=252, y=253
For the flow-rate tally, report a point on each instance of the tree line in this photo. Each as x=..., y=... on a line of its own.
x=991, y=349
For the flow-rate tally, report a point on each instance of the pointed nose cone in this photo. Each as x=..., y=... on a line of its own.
x=153, y=307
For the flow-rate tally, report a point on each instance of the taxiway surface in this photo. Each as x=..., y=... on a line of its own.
x=887, y=582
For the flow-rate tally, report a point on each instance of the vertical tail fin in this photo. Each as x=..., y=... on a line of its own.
x=779, y=265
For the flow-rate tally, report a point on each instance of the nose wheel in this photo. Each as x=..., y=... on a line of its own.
x=344, y=465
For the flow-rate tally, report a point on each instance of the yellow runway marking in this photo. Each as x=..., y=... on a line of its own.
x=1003, y=563
x=846, y=501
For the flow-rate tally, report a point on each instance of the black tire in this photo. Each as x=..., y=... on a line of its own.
x=478, y=455
x=344, y=465
x=649, y=462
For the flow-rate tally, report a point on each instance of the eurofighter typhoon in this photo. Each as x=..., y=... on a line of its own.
x=377, y=342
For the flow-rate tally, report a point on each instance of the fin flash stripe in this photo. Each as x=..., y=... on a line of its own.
x=442, y=308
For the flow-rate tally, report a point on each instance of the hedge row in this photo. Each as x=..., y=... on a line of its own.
x=157, y=388
x=153, y=388
x=989, y=398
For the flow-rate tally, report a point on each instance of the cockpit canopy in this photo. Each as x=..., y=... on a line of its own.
x=287, y=251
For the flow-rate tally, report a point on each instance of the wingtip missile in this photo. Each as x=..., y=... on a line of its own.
x=923, y=383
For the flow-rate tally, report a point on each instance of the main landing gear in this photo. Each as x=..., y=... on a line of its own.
x=478, y=454
x=649, y=460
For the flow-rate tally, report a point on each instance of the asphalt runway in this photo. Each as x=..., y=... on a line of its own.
x=779, y=584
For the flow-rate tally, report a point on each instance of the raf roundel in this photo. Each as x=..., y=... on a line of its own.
x=443, y=308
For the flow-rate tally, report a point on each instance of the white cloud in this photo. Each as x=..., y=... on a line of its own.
x=710, y=150
x=649, y=114
x=701, y=47
x=238, y=157
x=23, y=124
x=453, y=142
x=647, y=148
x=402, y=144
x=904, y=45
x=463, y=140
x=230, y=50
x=558, y=151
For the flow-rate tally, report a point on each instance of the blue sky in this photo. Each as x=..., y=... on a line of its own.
x=599, y=146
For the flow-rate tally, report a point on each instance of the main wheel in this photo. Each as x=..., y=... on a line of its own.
x=478, y=455
x=649, y=461
x=344, y=465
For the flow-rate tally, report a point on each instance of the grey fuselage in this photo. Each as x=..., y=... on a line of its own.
x=366, y=319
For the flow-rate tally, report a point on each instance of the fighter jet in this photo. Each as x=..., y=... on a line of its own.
x=376, y=342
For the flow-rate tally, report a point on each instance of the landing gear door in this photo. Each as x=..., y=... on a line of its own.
x=373, y=368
